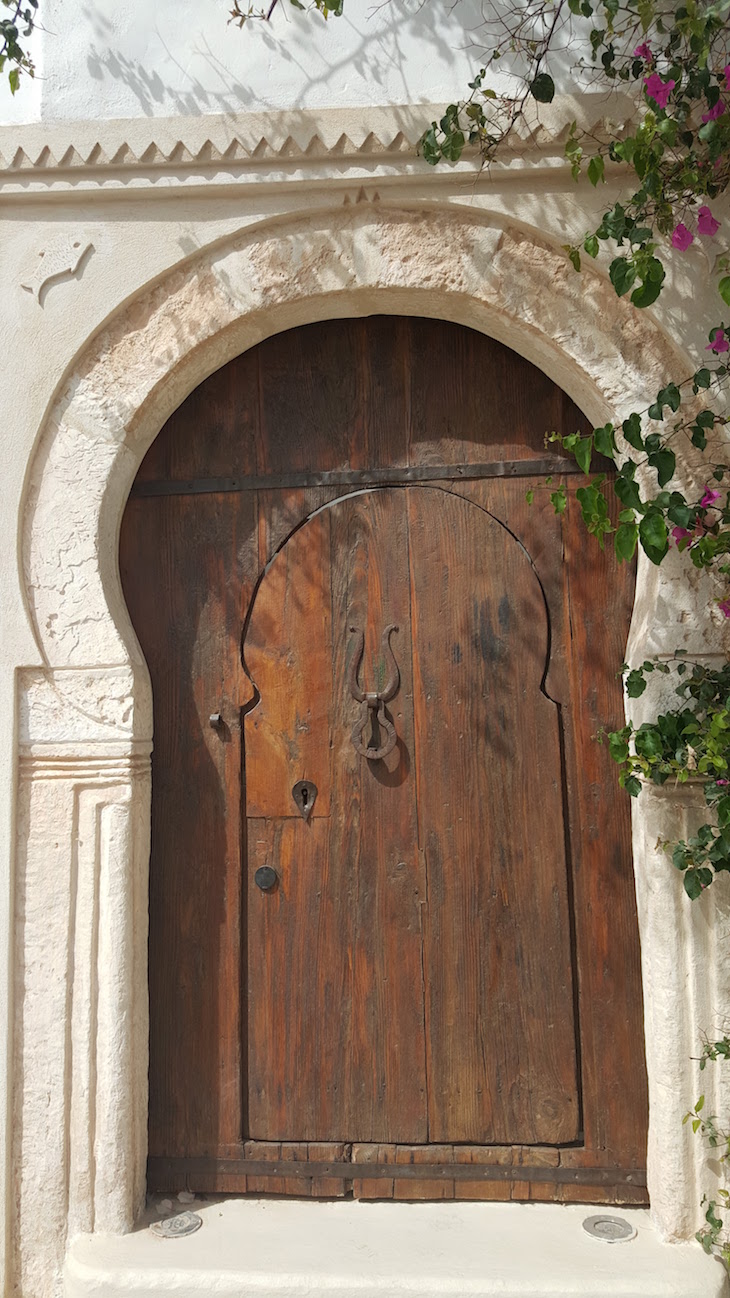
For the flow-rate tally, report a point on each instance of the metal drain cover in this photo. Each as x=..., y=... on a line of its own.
x=612, y=1230
x=183, y=1223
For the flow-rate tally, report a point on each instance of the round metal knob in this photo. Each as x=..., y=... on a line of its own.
x=265, y=878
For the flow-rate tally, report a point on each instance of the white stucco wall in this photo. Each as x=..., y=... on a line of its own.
x=156, y=137
x=134, y=59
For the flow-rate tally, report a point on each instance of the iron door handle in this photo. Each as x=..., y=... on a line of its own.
x=373, y=703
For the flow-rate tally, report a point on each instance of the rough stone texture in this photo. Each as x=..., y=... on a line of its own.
x=80, y=1025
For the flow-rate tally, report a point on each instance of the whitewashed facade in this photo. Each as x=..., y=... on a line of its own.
x=172, y=191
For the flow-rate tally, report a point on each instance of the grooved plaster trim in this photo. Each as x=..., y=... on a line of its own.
x=161, y=147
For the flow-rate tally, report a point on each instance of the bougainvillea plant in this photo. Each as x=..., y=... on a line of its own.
x=691, y=741
x=676, y=60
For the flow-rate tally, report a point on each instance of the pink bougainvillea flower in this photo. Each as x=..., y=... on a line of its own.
x=713, y=113
x=682, y=237
x=643, y=51
x=726, y=74
x=727, y=614
x=706, y=223
x=709, y=498
x=719, y=343
x=679, y=533
x=659, y=90
x=724, y=607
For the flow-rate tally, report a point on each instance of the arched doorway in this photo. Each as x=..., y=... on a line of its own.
x=445, y=972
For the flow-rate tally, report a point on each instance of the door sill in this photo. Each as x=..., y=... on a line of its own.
x=309, y=1248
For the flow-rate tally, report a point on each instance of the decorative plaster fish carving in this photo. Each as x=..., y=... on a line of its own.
x=62, y=257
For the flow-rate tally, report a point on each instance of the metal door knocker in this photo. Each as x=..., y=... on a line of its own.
x=373, y=703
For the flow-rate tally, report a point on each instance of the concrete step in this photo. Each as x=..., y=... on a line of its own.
x=328, y=1249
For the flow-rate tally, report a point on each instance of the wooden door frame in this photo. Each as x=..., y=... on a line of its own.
x=86, y=713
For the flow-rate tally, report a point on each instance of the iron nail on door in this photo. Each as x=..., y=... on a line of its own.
x=373, y=702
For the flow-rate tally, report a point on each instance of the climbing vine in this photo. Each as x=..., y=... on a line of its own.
x=15, y=29
x=691, y=741
x=713, y=1236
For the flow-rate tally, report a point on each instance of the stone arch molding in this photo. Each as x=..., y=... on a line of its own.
x=86, y=718
x=498, y=278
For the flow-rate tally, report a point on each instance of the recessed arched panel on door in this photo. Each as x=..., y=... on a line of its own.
x=410, y=972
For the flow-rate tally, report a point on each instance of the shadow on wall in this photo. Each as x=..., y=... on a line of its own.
x=401, y=51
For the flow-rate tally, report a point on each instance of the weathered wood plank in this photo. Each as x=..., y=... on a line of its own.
x=186, y=568
x=499, y=1001
x=372, y=1188
x=338, y=1053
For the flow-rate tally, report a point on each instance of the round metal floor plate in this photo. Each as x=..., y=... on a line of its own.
x=183, y=1223
x=612, y=1230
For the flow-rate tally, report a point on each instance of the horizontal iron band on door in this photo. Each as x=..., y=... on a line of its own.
x=359, y=477
x=160, y=1168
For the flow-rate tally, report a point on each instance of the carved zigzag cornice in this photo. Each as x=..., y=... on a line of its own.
x=187, y=150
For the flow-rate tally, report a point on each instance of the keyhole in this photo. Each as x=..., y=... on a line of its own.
x=304, y=794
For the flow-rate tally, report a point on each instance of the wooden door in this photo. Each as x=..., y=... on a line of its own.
x=440, y=994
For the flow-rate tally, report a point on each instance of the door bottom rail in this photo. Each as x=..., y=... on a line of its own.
x=165, y=1173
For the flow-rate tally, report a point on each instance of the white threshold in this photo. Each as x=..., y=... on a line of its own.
x=307, y=1248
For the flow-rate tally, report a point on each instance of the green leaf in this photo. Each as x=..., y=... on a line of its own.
x=573, y=256
x=632, y=786
x=703, y=378
x=627, y=492
x=617, y=746
x=625, y=540
x=649, y=291
x=452, y=146
x=429, y=146
x=559, y=500
x=670, y=396
x=724, y=289
x=583, y=451
x=590, y=243
x=695, y=881
x=664, y=462
x=631, y=428
x=706, y=418
x=635, y=684
x=653, y=536
x=604, y=441
x=596, y=169
x=648, y=741
x=622, y=274
x=543, y=88
x=698, y=437
x=645, y=10
x=680, y=513
x=530, y=496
